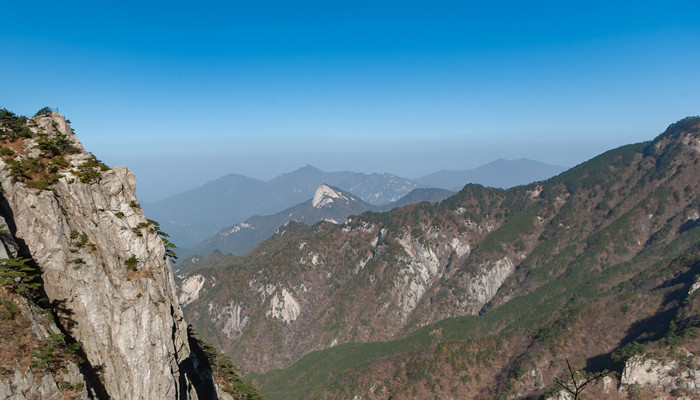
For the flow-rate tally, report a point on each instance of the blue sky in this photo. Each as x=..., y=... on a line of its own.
x=185, y=92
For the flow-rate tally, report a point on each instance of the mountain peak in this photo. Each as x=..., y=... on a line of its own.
x=301, y=173
x=685, y=132
x=308, y=168
x=325, y=195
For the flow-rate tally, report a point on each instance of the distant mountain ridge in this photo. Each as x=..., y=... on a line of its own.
x=194, y=215
x=328, y=204
x=500, y=173
x=376, y=189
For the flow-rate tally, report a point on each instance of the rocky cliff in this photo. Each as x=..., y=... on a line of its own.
x=103, y=265
x=25, y=326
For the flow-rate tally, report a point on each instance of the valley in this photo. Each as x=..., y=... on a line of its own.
x=534, y=273
x=483, y=293
x=350, y=201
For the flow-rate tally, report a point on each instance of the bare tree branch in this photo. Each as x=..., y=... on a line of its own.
x=577, y=389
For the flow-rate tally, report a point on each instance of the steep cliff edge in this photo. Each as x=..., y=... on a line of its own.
x=102, y=263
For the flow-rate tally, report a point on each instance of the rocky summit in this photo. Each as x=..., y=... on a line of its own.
x=87, y=289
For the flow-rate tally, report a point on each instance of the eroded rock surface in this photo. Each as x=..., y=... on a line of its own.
x=102, y=263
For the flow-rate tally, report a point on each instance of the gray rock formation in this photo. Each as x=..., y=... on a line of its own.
x=125, y=313
x=657, y=374
x=22, y=383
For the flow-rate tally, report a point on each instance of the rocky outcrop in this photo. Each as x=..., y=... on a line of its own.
x=103, y=264
x=189, y=290
x=484, y=286
x=662, y=375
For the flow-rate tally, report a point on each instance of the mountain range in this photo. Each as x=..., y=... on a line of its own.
x=489, y=293
x=585, y=281
x=328, y=204
x=498, y=174
x=195, y=215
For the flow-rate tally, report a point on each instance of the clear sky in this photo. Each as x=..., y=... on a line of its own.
x=185, y=92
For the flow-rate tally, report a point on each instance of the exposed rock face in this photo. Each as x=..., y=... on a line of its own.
x=325, y=196
x=370, y=283
x=662, y=375
x=284, y=306
x=485, y=285
x=190, y=289
x=125, y=313
x=421, y=267
x=23, y=383
x=234, y=319
x=19, y=383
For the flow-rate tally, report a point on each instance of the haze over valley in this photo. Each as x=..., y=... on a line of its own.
x=198, y=214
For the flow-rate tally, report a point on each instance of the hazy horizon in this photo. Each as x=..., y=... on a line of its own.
x=196, y=183
x=184, y=93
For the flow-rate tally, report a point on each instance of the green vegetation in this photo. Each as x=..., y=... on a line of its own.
x=664, y=161
x=225, y=373
x=44, y=111
x=13, y=126
x=597, y=172
x=326, y=368
x=65, y=385
x=55, y=145
x=608, y=237
x=91, y=170
x=153, y=227
x=8, y=310
x=169, y=246
x=37, y=173
x=52, y=354
x=19, y=170
x=132, y=263
x=621, y=355
x=17, y=273
x=41, y=172
x=82, y=239
x=518, y=225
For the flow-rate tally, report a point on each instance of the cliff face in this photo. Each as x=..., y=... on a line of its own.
x=102, y=263
x=21, y=326
x=19, y=383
